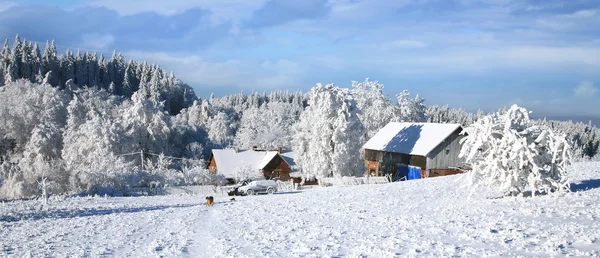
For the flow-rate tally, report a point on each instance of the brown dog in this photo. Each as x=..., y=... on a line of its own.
x=209, y=201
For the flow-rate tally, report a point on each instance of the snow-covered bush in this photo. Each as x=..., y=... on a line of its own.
x=161, y=169
x=506, y=151
x=195, y=173
x=11, y=181
x=244, y=172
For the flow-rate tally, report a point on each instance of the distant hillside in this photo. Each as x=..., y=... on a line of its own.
x=116, y=75
x=574, y=119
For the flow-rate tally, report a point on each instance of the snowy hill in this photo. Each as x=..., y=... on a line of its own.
x=432, y=217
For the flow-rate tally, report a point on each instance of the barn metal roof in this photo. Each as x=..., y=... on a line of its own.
x=410, y=138
x=228, y=160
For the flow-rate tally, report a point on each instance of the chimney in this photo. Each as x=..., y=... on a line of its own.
x=279, y=149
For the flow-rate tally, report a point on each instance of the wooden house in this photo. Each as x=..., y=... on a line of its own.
x=414, y=150
x=271, y=163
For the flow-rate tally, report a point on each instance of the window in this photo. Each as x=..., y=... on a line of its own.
x=447, y=151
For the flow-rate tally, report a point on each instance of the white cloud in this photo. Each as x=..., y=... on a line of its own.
x=583, y=13
x=553, y=24
x=220, y=11
x=4, y=5
x=530, y=57
x=585, y=89
x=405, y=44
x=249, y=74
x=99, y=42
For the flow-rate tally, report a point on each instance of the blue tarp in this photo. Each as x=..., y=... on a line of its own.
x=406, y=172
x=414, y=173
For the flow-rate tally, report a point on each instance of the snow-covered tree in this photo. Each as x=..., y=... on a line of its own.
x=14, y=63
x=507, y=152
x=93, y=71
x=33, y=124
x=92, y=139
x=267, y=127
x=376, y=108
x=50, y=62
x=220, y=130
x=129, y=82
x=147, y=124
x=326, y=137
x=37, y=71
x=409, y=110
x=68, y=65
x=25, y=106
x=81, y=71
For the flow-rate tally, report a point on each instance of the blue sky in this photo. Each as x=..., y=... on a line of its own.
x=541, y=54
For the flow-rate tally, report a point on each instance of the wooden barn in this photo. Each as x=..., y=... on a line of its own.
x=407, y=151
x=272, y=163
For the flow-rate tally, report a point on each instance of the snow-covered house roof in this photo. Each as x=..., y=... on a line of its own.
x=227, y=160
x=289, y=157
x=410, y=138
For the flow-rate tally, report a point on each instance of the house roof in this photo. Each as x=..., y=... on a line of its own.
x=269, y=155
x=228, y=160
x=410, y=138
x=289, y=157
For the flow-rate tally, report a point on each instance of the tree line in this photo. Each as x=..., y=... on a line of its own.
x=58, y=137
x=115, y=75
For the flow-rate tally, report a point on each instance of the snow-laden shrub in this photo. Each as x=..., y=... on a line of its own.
x=506, y=151
x=197, y=174
x=105, y=174
x=244, y=172
x=11, y=181
x=161, y=169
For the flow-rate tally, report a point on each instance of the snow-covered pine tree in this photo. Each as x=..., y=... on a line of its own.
x=25, y=66
x=36, y=64
x=129, y=82
x=50, y=63
x=155, y=87
x=81, y=76
x=12, y=71
x=4, y=62
x=509, y=153
x=67, y=67
x=103, y=75
x=93, y=71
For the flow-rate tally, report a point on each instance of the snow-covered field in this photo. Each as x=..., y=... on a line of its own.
x=432, y=217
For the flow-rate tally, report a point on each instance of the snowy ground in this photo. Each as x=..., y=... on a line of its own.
x=432, y=217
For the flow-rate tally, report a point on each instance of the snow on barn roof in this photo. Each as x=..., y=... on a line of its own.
x=410, y=138
x=228, y=160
